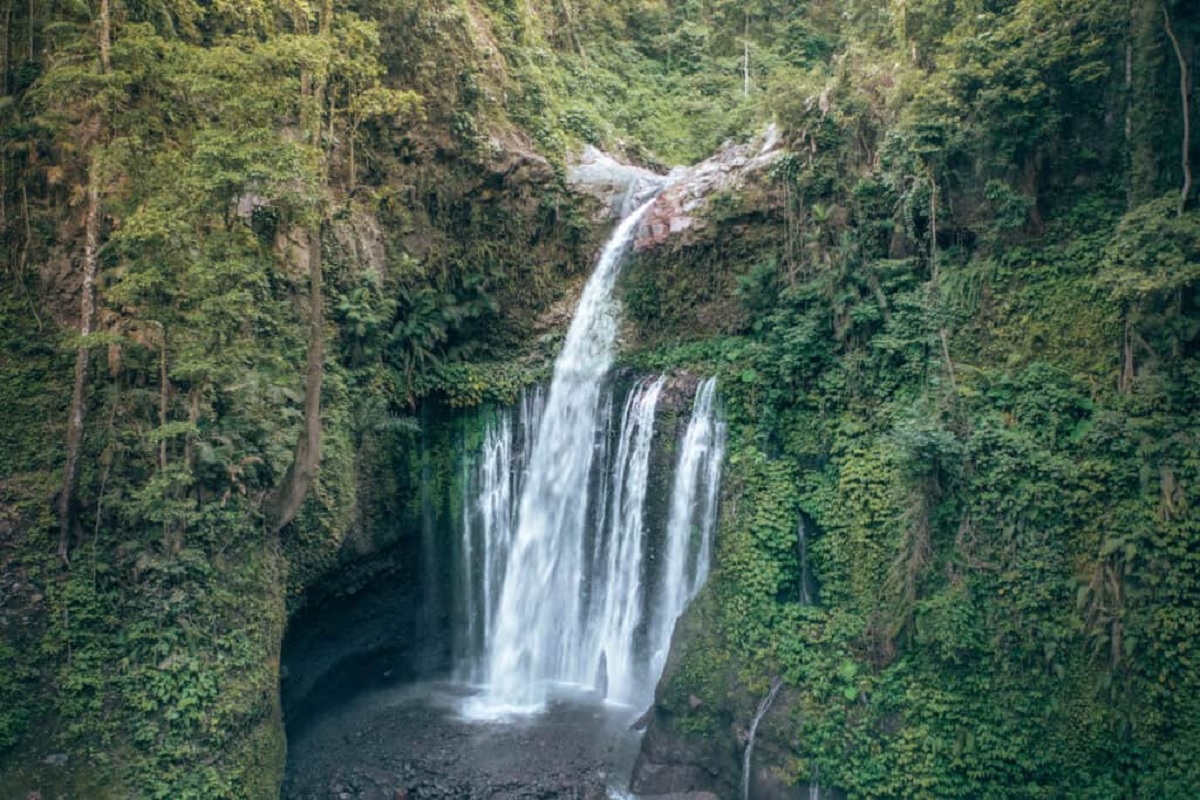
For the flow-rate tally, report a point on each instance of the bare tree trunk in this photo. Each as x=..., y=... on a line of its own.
x=78, y=410
x=1125, y=383
x=1147, y=62
x=285, y=502
x=77, y=414
x=566, y=7
x=164, y=389
x=324, y=30
x=4, y=59
x=163, y=401
x=1185, y=100
x=353, y=166
x=933, y=229
x=1129, y=95
x=7, y=44
x=105, y=37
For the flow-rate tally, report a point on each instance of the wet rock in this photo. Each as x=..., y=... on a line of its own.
x=672, y=763
x=432, y=754
x=668, y=780
x=689, y=191
x=619, y=187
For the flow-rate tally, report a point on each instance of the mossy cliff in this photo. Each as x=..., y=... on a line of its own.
x=146, y=662
x=989, y=491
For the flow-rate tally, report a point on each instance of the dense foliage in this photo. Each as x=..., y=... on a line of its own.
x=965, y=362
x=956, y=327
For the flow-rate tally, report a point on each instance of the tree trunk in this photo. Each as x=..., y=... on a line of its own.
x=284, y=504
x=7, y=45
x=1129, y=84
x=105, y=37
x=353, y=182
x=164, y=396
x=566, y=7
x=78, y=411
x=1125, y=382
x=746, y=58
x=320, y=79
x=935, y=272
x=1185, y=101
x=285, y=501
x=91, y=246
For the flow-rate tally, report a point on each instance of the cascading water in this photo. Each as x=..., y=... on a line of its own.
x=559, y=582
x=538, y=631
x=491, y=488
x=808, y=592
x=615, y=611
x=693, y=511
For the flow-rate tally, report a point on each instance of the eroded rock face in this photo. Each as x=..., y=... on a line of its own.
x=619, y=187
x=680, y=766
x=675, y=765
x=343, y=641
x=680, y=207
x=673, y=761
x=686, y=191
x=697, y=730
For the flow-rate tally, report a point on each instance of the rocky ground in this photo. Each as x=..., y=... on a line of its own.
x=410, y=743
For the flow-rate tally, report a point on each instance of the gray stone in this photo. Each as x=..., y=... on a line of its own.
x=620, y=187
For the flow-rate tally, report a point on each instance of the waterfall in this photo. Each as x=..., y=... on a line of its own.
x=538, y=635
x=616, y=596
x=560, y=585
x=692, y=519
x=764, y=706
x=491, y=485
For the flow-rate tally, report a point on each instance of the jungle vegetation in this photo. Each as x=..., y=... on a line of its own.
x=957, y=327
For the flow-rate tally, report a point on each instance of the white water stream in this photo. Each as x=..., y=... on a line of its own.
x=693, y=519
x=563, y=582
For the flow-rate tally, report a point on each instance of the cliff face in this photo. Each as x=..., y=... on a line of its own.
x=946, y=507
x=149, y=665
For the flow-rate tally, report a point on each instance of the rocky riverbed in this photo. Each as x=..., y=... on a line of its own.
x=412, y=742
